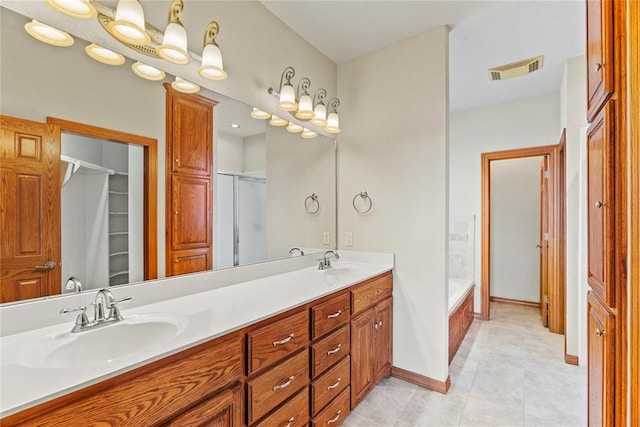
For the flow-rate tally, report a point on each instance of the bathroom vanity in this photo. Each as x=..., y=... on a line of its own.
x=292, y=349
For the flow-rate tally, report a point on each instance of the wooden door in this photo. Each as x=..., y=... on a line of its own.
x=192, y=213
x=599, y=54
x=222, y=410
x=29, y=210
x=361, y=356
x=544, y=241
x=601, y=363
x=382, y=339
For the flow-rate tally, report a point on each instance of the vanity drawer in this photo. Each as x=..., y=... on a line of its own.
x=294, y=413
x=335, y=413
x=329, y=350
x=330, y=314
x=330, y=384
x=276, y=341
x=371, y=293
x=268, y=390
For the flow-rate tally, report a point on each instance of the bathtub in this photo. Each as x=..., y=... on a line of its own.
x=460, y=312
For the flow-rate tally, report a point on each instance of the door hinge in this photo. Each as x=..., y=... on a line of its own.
x=547, y=174
x=546, y=299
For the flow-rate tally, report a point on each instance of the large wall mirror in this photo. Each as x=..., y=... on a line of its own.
x=264, y=174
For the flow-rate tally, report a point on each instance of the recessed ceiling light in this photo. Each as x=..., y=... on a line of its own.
x=147, y=71
x=234, y=125
x=182, y=85
x=104, y=55
x=277, y=121
x=47, y=34
x=259, y=114
x=76, y=8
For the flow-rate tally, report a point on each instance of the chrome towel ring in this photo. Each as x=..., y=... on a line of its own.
x=313, y=207
x=365, y=197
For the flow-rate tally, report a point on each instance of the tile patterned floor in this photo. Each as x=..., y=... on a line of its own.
x=509, y=371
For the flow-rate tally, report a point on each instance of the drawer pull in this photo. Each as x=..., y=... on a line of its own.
x=291, y=420
x=331, y=387
x=335, y=350
x=284, y=384
x=334, y=315
x=284, y=341
x=334, y=419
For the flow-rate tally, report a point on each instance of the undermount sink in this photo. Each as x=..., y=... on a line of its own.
x=106, y=344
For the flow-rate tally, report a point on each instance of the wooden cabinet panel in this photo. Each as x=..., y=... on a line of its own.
x=192, y=137
x=325, y=388
x=191, y=261
x=222, y=410
x=330, y=314
x=277, y=340
x=335, y=413
x=294, y=413
x=361, y=359
x=382, y=332
x=192, y=215
x=329, y=350
x=600, y=209
x=371, y=292
x=268, y=390
x=601, y=364
x=600, y=65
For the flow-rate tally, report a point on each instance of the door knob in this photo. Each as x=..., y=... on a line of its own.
x=599, y=204
x=538, y=245
x=600, y=332
x=598, y=67
x=49, y=265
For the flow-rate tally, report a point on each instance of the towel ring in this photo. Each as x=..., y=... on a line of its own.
x=365, y=197
x=314, y=201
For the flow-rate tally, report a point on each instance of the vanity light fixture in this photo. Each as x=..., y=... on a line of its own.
x=174, y=43
x=259, y=114
x=287, y=95
x=277, y=121
x=305, y=103
x=147, y=71
x=129, y=25
x=48, y=34
x=308, y=133
x=76, y=8
x=184, y=86
x=211, y=56
x=294, y=128
x=319, y=109
x=333, y=120
x=104, y=55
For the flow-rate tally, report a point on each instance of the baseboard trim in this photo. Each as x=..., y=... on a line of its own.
x=477, y=315
x=421, y=380
x=570, y=359
x=515, y=301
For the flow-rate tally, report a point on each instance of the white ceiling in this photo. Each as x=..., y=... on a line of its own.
x=484, y=34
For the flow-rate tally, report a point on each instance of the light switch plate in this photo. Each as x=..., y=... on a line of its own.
x=348, y=238
x=326, y=238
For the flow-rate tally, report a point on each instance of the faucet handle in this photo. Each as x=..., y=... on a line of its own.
x=114, y=303
x=114, y=312
x=82, y=321
x=66, y=311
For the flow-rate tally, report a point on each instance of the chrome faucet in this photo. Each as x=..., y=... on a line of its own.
x=106, y=311
x=292, y=250
x=73, y=284
x=325, y=263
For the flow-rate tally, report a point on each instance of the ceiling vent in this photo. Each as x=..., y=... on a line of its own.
x=516, y=69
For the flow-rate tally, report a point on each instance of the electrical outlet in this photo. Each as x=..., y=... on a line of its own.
x=326, y=238
x=348, y=238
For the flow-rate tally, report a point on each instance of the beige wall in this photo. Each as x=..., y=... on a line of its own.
x=394, y=145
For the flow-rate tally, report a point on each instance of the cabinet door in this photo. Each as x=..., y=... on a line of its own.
x=599, y=54
x=600, y=209
x=601, y=343
x=191, y=215
x=361, y=357
x=222, y=410
x=382, y=339
x=191, y=261
x=192, y=137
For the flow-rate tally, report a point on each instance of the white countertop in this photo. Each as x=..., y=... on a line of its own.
x=203, y=316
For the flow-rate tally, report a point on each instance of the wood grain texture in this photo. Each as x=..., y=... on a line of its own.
x=225, y=409
x=331, y=314
x=515, y=301
x=361, y=356
x=276, y=385
x=329, y=350
x=189, y=261
x=421, y=380
x=335, y=413
x=326, y=387
x=383, y=339
x=191, y=216
x=371, y=292
x=294, y=413
x=600, y=61
x=459, y=323
x=571, y=359
x=289, y=334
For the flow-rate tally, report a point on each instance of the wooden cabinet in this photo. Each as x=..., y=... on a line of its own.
x=329, y=350
x=189, y=213
x=335, y=413
x=600, y=64
x=601, y=348
x=222, y=410
x=459, y=323
x=382, y=332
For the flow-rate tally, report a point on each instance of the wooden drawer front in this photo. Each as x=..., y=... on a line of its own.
x=223, y=409
x=330, y=384
x=329, y=315
x=329, y=350
x=294, y=413
x=378, y=289
x=276, y=341
x=335, y=413
x=276, y=385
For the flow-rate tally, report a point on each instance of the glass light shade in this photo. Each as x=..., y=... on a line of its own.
x=182, y=85
x=305, y=108
x=308, y=133
x=174, y=44
x=277, y=121
x=294, y=128
x=104, y=55
x=212, y=63
x=76, y=8
x=319, y=115
x=287, y=98
x=147, y=71
x=129, y=25
x=48, y=34
x=333, y=123
x=259, y=114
